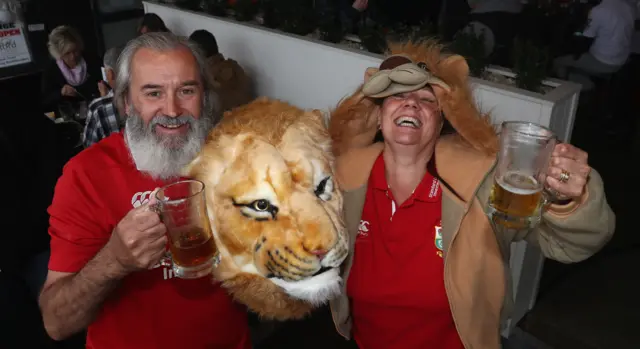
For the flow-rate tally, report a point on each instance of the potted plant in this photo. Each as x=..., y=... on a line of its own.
x=218, y=8
x=471, y=46
x=329, y=25
x=296, y=16
x=244, y=10
x=373, y=37
x=529, y=65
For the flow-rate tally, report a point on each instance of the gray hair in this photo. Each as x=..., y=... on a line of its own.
x=62, y=40
x=164, y=41
x=110, y=59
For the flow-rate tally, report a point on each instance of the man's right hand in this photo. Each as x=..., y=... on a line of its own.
x=138, y=242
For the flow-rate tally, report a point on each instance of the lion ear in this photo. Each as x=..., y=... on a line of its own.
x=369, y=73
x=455, y=64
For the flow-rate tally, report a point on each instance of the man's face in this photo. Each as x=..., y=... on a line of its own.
x=164, y=128
x=165, y=84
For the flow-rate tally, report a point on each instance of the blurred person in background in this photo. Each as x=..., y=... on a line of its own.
x=69, y=78
x=230, y=81
x=102, y=118
x=151, y=22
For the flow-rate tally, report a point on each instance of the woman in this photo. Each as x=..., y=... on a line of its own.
x=428, y=270
x=69, y=78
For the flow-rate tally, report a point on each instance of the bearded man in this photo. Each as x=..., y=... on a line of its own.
x=106, y=243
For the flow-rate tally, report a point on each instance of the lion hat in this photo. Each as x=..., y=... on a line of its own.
x=275, y=212
x=410, y=66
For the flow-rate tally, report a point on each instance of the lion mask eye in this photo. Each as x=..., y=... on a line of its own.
x=260, y=210
x=324, y=189
x=261, y=205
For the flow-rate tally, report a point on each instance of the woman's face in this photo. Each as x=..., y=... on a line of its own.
x=72, y=57
x=411, y=118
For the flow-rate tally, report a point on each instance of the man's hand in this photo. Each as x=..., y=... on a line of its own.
x=103, y=88
x=68, y=90
x=138, y=242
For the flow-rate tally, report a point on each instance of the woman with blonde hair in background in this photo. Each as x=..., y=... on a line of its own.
x=69, y=78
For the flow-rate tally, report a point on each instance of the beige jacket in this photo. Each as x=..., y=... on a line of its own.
x=476, y=258
x=232, y=84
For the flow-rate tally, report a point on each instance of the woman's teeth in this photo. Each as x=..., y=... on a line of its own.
x=408, y=121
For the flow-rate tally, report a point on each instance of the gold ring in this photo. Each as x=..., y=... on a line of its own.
x=564, y=176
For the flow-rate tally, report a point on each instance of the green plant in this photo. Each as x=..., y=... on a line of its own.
x=530, y=65
x=329, y=25
x=296, y=16
x=422, y=31
x=216, y=7
x=373, y=38
x=471, y=46
x=245, y=10
x=270, y=14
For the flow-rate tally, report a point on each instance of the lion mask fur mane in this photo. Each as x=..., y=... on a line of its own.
x=275, y=211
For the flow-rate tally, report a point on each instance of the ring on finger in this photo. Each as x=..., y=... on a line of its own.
x=564, y=176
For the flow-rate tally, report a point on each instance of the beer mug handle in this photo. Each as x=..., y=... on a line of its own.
x=166, y=260
x=156, y=208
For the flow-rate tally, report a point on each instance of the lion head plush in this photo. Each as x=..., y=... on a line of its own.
x=275, y=211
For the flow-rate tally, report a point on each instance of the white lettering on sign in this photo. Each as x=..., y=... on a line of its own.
x=13, y=45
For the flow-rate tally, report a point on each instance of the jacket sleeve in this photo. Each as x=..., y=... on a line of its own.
x=575, y=232
x=51, y=89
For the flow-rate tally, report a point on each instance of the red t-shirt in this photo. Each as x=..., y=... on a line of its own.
x=396, y=284
x=150, y=309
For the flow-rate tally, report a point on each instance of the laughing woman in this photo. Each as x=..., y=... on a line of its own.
x=427, y=268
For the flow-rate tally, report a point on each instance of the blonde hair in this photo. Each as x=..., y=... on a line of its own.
x=62, y=39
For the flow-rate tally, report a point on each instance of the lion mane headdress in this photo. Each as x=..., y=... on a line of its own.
x=275, y=212
x=410, y=66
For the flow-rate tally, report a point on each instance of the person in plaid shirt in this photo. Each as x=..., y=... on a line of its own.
x=102, y=118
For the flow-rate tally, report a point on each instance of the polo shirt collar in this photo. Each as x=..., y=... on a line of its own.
x=428, y=190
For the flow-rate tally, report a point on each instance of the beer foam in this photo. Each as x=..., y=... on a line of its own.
x=519, y=183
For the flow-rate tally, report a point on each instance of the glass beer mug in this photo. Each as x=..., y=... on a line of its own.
x=192, y=249
x=517, y=196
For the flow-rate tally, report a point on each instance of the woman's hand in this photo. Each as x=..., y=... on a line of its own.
x=568, y=172
x=68, y=90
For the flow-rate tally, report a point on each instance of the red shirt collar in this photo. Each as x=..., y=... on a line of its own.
x=428, y=190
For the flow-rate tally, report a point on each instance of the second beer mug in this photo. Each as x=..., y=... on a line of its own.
x=182, y=208
x=517, y=195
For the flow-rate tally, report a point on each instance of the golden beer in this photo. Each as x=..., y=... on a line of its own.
x=516, y=194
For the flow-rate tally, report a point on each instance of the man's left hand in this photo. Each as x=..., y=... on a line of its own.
x=568, y=171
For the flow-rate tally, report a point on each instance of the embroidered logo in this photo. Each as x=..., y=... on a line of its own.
x=140, y=198
x=435, y=188
x=438, y=239
x=363, y=228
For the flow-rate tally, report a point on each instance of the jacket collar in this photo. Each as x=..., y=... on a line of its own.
x=453, y=159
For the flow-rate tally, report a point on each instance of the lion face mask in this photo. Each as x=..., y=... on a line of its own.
x=275, y=210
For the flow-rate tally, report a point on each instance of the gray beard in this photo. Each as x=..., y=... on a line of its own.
x=164, y=157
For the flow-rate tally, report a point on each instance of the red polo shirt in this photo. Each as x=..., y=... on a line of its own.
x=396, y=284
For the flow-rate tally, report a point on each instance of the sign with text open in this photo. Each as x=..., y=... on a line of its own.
x=13, y=45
